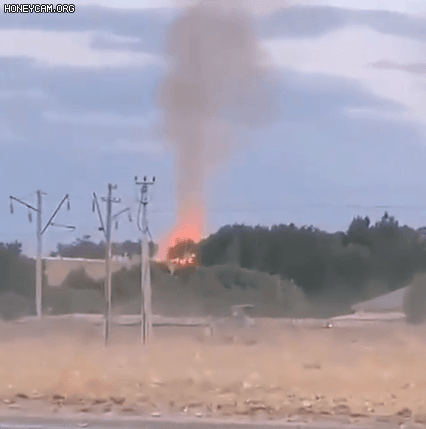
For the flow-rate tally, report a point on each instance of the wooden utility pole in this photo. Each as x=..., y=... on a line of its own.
x=107, y=233
x=39, y=233
x=146, y=294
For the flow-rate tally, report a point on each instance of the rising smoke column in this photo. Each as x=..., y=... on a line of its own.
x=214, y=81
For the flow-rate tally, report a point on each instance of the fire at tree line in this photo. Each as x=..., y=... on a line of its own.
x=285, y=271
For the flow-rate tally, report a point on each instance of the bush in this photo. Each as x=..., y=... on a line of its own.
x=415, y=301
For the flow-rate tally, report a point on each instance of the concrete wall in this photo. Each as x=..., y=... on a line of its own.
x=57, y=269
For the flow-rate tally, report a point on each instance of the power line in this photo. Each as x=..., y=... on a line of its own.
x=106, y=228
x=249, y=207
x=146, y=295
x=285, y=209
x=39, y=232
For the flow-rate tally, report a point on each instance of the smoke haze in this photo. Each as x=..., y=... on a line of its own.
x=214, y=82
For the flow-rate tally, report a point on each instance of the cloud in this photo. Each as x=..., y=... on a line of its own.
x=315, y=21
x=419, y=68
x=114, y=5
x=377, y=114
x=104, y=40
x=412, y=7
x=348, y=53
x=109, y=28
x=262, y=6
x=84, y=108
x=70, y=49
x=142, y=29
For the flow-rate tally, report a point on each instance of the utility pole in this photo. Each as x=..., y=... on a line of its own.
x=107, y=233
x=146, y=296
x=39, y=232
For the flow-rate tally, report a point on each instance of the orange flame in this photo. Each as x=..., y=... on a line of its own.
x=188, y=227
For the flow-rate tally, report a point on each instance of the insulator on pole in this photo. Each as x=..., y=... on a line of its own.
x=93, y=206
x=116, y=224
x=68, y=204
x=11, y=207
x=30, y=216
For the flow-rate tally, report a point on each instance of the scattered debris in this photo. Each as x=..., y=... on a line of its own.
x=342, y=409
x=302, y=411
x=405, y=412
x=407, y=385
x=57, y=397
x=22, y=396
x=117, y=401
x=99, y=401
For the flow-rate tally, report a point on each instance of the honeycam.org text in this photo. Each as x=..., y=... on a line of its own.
x=39, y=8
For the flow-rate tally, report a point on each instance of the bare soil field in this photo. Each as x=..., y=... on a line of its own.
x=357, y=370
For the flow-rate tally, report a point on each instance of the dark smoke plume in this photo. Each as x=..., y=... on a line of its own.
x=215, y=81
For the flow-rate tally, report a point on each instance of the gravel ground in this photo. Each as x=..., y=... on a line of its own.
x=360, y=371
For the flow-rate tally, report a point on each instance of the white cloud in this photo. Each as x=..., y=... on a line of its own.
x=368, y=113
x=52, y=48
x=413, y=7
x=266, y=6
x=114, y=38
x=127, y=4
x=120, y=4
x=96, y=118
x=349, y=53
x=402, y=6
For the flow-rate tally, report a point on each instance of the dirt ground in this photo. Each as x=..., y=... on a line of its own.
x=369, y=370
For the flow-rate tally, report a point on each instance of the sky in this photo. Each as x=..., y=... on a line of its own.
x=77, y=112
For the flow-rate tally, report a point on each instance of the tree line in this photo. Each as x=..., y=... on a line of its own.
x=329, y=269
x=87, y=249
x=361, y=263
